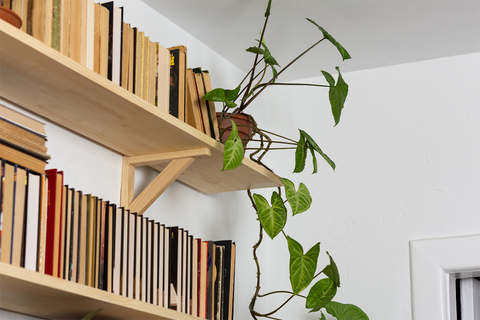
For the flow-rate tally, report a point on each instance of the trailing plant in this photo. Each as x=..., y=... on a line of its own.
x=272, y=216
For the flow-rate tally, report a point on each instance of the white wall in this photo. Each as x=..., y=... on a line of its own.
x=407, y=154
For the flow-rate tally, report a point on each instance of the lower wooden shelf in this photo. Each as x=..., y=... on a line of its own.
x=44, y=296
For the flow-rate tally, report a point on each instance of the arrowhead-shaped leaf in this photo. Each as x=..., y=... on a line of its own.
x=312, y=145
x=331, y=271
x=320, y=294
x=340, y=48
x=272, y=218
x=302, y=266
x=337, y=94
x=223, y=95
x=345, y=311
x=299, y=200
x=300, y=155
x=233, y=151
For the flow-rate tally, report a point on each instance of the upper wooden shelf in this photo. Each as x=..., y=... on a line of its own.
x=61, y=90
x=44, y=296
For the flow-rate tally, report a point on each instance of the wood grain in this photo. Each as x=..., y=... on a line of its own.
x=59, y=89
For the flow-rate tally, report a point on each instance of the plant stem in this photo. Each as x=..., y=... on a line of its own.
x=244, y=105
x=249, y=85
x=255, y=258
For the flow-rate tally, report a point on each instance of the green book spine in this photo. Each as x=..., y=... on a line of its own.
x=56, y=25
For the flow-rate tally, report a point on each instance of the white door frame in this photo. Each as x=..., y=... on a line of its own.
x=434, y=266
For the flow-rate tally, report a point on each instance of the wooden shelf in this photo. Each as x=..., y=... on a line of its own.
x=59, y=89
x=44, y=296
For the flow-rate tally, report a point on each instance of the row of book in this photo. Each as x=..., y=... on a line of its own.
x=52, y=228
x=96, y=36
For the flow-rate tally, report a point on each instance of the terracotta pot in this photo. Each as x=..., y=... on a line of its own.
x=11, y=17
x=244, y=124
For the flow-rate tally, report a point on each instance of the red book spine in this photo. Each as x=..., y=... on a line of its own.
x=50, y=230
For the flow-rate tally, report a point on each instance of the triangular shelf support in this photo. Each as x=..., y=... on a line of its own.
x=179, y=162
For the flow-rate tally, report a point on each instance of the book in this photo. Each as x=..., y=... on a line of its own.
x=18, y=216
x=162, y=95
x=22, y=120
x=64, y=26
x=228, y=277
x=8, y=187
x=75, y=244
x=82, y=242
x=138, y=259
x=155, y=263
x=57, y=247
x=125, y=252
x=173, y=268
x=21, y=158
x=218, y=282
x=193, y=113
x=91, y=240
x=89, y=20
x=37, y=20
x=207, y=82
x=195, y=272
x=207, y=123
x=131, y=255
x=210, y=281
x=114, y=45
x=43, y=223
x=68, y=234
x=22, y=139
x=178, y=63
x=32, y=223
x=166, y=265
x=56, y=24
x=51, y=215
x=118, y=250
x=103, y=40
x=203, y=279
x=125, y=72
x=63, y=230
x=74, y=33
x=48, y=22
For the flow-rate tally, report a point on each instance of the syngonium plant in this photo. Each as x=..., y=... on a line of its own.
x=273, y=215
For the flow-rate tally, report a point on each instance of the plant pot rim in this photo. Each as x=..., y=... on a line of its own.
x=11, y=17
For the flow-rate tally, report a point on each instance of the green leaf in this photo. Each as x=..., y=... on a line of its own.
x=320, y=294
x=91, y=314
x=340, y=48
x=312, y=145
x=223, y=95
x=272, y=218
x=323, y=316
x=269, y=59
x=345, y=311
x=337, y=94
x=299, y=200
x=233, y=150
x=302, y=266
x=300, y=155
x=331, y=271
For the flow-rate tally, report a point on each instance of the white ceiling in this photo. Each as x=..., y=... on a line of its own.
x=376, y=33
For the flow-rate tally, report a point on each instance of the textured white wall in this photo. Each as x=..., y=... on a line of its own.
x=407, y=153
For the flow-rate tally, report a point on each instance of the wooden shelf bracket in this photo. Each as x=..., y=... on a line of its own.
x=179, y=162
